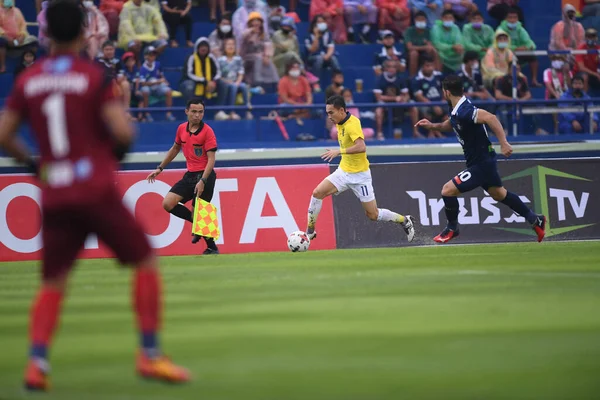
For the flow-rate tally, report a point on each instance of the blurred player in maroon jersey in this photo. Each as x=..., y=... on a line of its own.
x=82, y=129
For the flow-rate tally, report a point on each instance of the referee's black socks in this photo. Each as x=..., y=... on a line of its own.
x=182, y=212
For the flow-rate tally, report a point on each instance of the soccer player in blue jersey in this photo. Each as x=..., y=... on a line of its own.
x=469, y=124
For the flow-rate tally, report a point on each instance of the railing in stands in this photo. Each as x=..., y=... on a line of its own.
x=517, y=107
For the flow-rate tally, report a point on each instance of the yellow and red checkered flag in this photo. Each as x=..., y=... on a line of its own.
x=205, y=220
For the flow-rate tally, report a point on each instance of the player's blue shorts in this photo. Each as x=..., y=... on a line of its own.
x=483, y=174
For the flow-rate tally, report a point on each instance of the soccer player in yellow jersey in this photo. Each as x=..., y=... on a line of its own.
x=353, y=172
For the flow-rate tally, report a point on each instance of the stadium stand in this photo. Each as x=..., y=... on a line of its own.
x=356, y=61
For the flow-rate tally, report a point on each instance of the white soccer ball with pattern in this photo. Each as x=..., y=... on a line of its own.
x=298, y=241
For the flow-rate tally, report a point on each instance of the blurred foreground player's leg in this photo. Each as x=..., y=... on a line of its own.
x=82, y=129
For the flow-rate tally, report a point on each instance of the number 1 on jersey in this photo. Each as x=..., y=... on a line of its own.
x=54, y=110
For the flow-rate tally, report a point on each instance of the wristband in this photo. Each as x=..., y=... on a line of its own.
x=342, y=151
x=203, y=180
x=159, y=167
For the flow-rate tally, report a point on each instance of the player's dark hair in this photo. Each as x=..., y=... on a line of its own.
x=577, y=77
x=448, y=12
x=470, y=56
x=65, y=20
x=420, y=14
x=107, y=44
x=453, y=84
x=194, y=100
x=337, y=101
x=512, y=10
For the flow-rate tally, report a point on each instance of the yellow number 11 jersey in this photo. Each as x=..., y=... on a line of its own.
x=349, y=129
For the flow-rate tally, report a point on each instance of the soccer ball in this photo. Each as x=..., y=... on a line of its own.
x=298, y=241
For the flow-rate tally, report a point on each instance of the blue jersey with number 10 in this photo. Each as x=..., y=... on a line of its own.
x=472, y=136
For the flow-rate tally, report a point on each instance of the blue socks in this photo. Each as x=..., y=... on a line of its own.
x=514, y=202
x=38, y=351
x=150, y=345
x=451, y=209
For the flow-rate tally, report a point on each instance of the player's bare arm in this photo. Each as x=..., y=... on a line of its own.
x=358, y=147
x=445, y=126
x=207, y=171
x=171, y=154
x=485, y=117
x=9, y=141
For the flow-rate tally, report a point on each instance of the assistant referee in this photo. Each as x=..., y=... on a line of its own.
x=199, y=148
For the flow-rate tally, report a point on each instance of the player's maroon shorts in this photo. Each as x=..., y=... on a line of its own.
x=64, y=232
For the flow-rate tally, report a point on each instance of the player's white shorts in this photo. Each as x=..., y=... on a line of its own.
x=361, y=183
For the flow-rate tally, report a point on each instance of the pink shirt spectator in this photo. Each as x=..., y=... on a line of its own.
x=333, y=11
x=566, y=34
x=556, y=79
x=12, y=23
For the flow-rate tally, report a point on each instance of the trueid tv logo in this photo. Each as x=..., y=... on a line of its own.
x=475, y=210
x=541, y=195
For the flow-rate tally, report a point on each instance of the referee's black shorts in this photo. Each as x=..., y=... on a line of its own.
x=185, y=187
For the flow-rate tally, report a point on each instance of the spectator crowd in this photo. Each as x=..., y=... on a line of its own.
x=256, y=49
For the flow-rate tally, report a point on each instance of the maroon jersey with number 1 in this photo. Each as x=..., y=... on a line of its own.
x=62, y=98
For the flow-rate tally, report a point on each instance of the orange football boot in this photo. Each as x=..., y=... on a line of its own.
x=161, y=369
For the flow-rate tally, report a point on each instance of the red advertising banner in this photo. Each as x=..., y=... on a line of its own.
x=257, y=208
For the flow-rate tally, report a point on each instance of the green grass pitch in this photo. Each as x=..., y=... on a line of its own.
x=514, y=321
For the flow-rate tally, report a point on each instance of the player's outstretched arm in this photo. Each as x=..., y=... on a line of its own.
x=445, y=126
x=358, y=147
x=10, y=142
x=484, y=117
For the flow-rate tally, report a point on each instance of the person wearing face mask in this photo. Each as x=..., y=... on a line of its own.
x=391, y=88
x=570, y=122
x=257, y=52
x=498, y=9
x=520, y=40
x=142, y=25
x=231, y=83
x=497, y=60
x=478, y=36
x=388, y=53
x=176, y=13
x=320, y=48
x=426, y=87
x=394, y=15
x=287, y=48
x=201, y=73
x=239, y=20
x=567, y=34
x=588, y=65
x=417, y=40
x=217, y=38
x=557, y=80
x=13, y=31
x=96, y=31
x=447, y=39
x=294, y=89
x=332, y=11
x=471, y=75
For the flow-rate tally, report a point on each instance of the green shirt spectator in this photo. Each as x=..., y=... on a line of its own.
x=478, y=36
x=417, y=39
x=416, y=36
x=448, y=41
